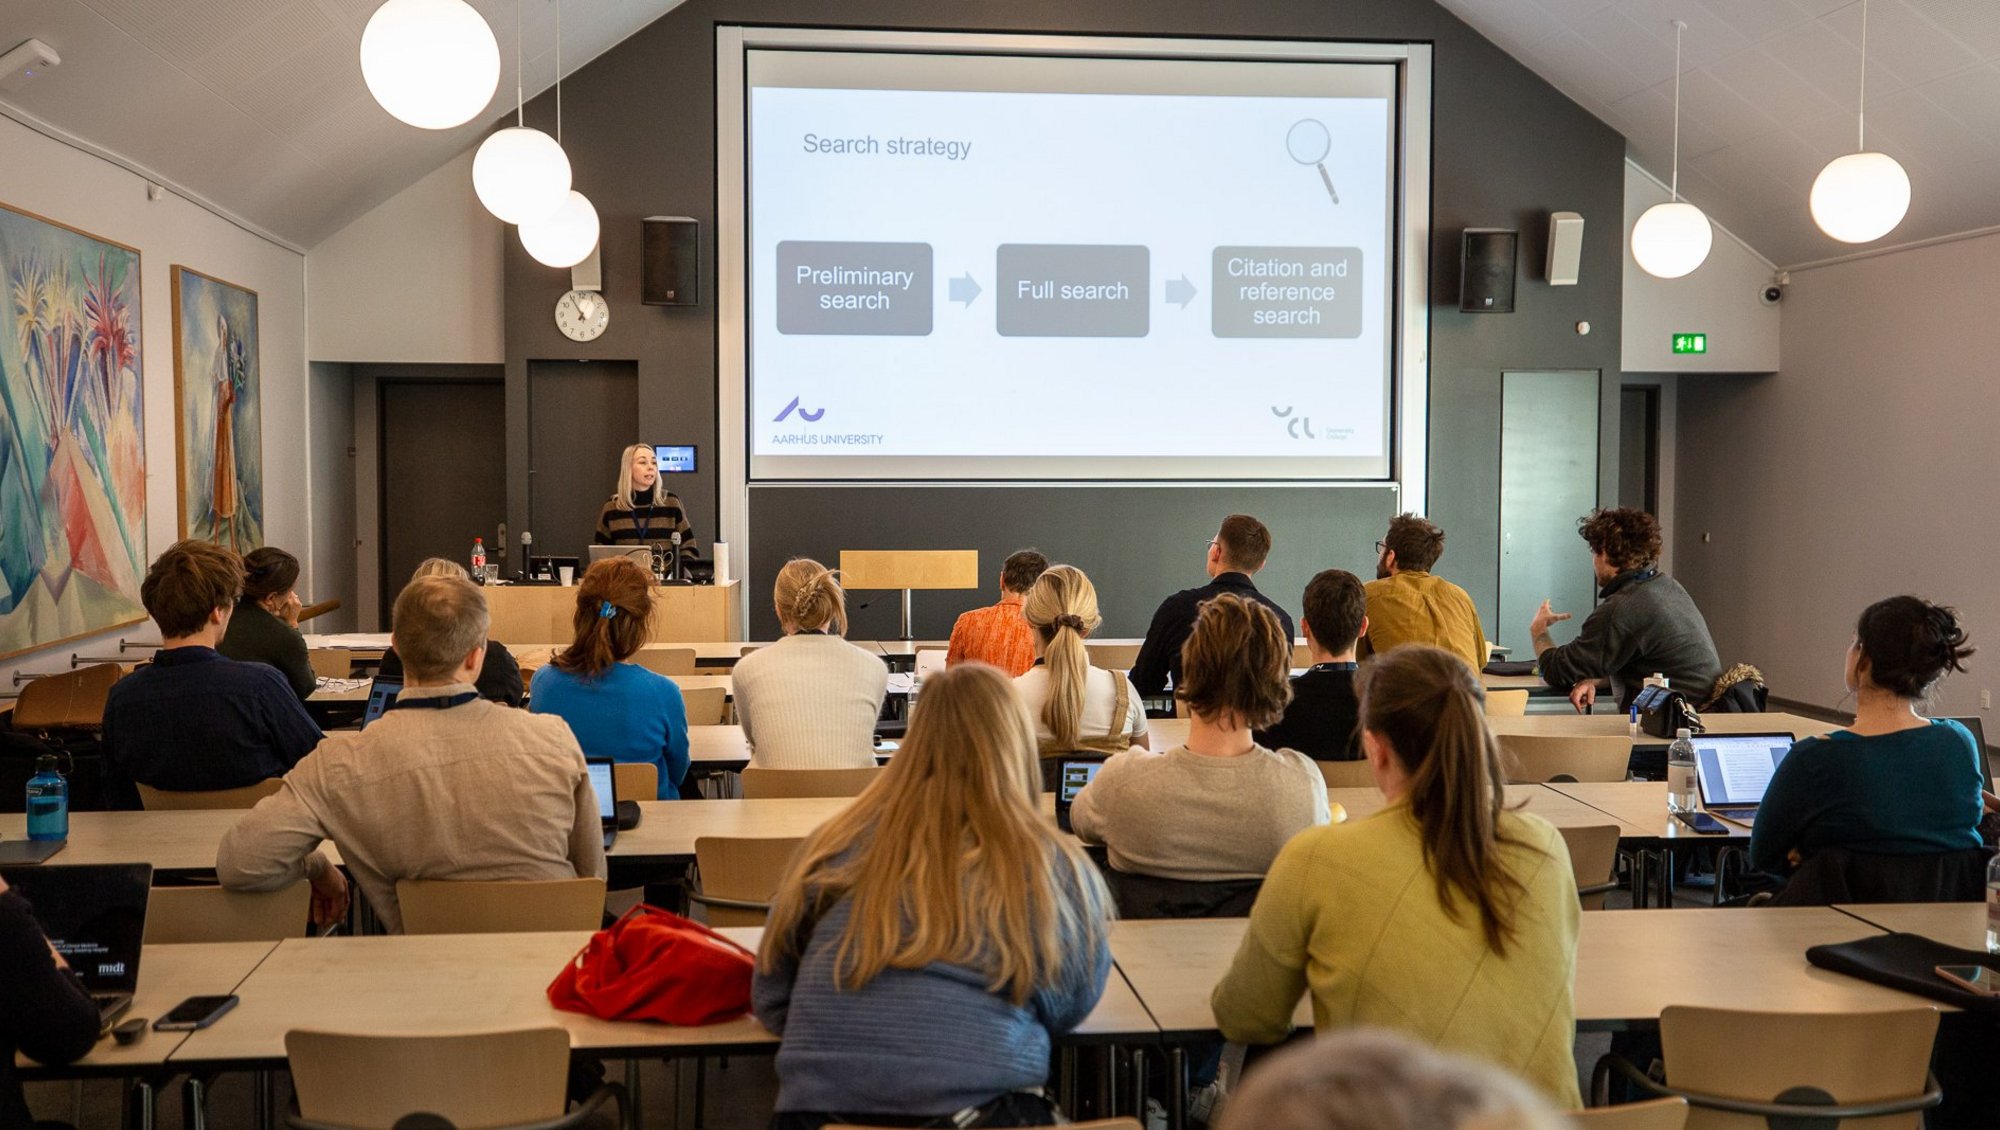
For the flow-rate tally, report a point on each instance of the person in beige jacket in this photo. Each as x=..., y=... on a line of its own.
x=446, y=785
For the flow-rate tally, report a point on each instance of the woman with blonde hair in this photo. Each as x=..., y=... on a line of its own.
x=615, y=708
x=811, y=700
x=499, y=679
x=1447, y=915
x=1076, y=707
x=945, y=917
x=643, y=511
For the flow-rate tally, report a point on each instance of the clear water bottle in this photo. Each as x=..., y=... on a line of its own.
x=1682, y=795
x=1993, y=905
x=478, y=561
x=48, y=801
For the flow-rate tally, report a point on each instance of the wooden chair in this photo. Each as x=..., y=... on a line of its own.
x=175, y=915
x=1535, y=759
x=665, y=660
x=739, y=875
x=1098, y=1124
x=1659, y=1114
x=445, y=906
x=1347, y=774
x=759, y=784
x=481, y=1080
x=1593, y=856
x=331, y=662
x=705, y=705
x=73, y=700
x=636, y=780
x=1112, y=656
x=748, y=648
x=1506, y=704
x=1868, y=1068
x=163, y=800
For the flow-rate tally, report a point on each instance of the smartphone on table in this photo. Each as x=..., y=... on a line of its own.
x=194, y=1014
x=1703, y=823
x=1972, y=978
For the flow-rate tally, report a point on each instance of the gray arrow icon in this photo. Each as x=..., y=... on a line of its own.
x=1180, y=291
x=963, y=289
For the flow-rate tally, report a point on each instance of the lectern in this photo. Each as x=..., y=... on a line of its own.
x=909, y=569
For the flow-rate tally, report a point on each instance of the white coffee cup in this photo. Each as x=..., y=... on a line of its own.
x=567, y=573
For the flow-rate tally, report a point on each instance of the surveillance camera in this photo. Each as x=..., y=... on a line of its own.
x=1771, y=295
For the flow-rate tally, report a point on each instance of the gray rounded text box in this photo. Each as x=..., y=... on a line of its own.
x=876, y=289
x=1286, y=292
x=1072, y=290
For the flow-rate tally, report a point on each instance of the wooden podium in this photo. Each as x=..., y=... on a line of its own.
x=908, y=569
x=545, y=614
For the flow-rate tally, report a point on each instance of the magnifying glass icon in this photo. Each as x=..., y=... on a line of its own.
x=1308, y=142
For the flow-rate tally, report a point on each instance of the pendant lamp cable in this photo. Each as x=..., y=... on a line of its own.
x=558, y=72
x=1675, y=188
x=1861, y=110
x=520, y=100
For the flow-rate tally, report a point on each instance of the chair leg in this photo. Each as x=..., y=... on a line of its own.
x=194, y=1104
x=139, y=1109
x=631, y=1094
x=1177, y=1087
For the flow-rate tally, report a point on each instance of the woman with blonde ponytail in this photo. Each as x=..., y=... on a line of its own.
x=810, y=701
x=1446, y=915
x=1075, y=706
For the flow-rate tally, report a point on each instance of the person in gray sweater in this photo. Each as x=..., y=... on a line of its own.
x=1645, y=621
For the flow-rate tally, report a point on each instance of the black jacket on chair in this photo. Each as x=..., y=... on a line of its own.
x=1836, y=875
x=1149, y=896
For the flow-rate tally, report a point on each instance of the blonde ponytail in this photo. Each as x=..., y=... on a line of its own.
x=1062, y=608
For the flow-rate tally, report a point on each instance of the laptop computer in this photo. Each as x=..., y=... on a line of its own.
x=381, y=696
x=1075, y=773
x=1733, y=770
x=95, y=916
x=605, y=781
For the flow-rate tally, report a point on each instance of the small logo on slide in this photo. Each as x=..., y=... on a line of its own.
x=810, y=417
x=1293, y=427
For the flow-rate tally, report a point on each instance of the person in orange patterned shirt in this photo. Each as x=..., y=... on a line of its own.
x=997, y=634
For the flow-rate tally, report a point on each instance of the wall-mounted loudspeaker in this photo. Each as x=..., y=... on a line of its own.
x=1486, y=271
x=1565, y=247
x=672, y=275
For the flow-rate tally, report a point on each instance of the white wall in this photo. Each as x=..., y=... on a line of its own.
x=1718, y=299
x=49, y=178
x=418, y=279
x=1865, y=468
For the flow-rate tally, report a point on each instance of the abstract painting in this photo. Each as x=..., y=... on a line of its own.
x=72, y=435
x=217, y=393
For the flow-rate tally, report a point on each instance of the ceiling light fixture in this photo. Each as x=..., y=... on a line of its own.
x=566, y=236
x=433, y=64
x=1672, y=239
x=1861, y=196
x=520, y=174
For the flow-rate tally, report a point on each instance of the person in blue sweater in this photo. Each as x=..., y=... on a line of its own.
x=930, y=942
x=615, y=709
x=1894, y=783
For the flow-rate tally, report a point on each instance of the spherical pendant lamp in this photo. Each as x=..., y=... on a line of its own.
x=433, y=64
x=566, y=236
x=1671, y=239
x=521, y=174
x=1861, y=196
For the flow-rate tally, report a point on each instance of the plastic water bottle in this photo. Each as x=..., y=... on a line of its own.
x=1993, y=905
x=479, y=561
x=48, y=801
x=1681, y=792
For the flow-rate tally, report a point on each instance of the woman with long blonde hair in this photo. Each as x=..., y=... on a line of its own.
x=1076, y=707
x=643, y=511
x=946, y=918
x=811, y=700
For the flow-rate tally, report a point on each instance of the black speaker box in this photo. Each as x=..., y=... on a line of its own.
x=1486, y=271
x=672, y=275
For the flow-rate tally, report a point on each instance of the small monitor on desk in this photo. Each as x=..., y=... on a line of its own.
x=675, y=458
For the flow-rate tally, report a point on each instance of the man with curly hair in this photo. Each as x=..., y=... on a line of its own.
x=1645, y=621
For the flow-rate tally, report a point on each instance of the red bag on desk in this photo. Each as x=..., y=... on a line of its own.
x=653, y=964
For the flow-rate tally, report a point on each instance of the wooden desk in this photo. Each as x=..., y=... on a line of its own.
x=1174, y=964
x=718, y=747
x=168, y=975
x=1612, y=725
x=668, y=829
x=1640, y=809
x=1559, y=810
x=354, y=695
x=170, y=841
x=538, y=613
x=1961, y=924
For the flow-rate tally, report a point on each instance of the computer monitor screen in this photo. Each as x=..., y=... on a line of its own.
x=1075, y=775
x=1735, y=769
x=675, y=458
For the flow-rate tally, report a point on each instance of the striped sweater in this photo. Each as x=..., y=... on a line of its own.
x=622, y=522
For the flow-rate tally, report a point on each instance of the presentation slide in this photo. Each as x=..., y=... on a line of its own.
x=1010, y=267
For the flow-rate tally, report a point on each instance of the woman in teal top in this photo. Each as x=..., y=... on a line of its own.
x=1894, y=783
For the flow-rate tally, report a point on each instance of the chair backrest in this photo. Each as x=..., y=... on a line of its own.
x=636, y=780
x=1150, y=896
x=162, y=800
x=666, y=660
x=445, y=906
x=1659, y=1114
x=1098, y=1124
x=1112, y=656
x=759, y=784
x=1536, y=758
x=73, y=700
x=1593, y=855
x=747, y=649
x=331, y=662
x=1347, y=774
x=1850, y=1056
x=476, y=1081
x=1506, y=704
x=705, y=705
x=1837, y=875
x=743, y=869
x=175, y=915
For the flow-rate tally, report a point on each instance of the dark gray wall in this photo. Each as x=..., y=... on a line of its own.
x=1507, y=149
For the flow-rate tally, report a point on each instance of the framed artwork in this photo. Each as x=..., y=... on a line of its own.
x=72, y=434
x=217, y=411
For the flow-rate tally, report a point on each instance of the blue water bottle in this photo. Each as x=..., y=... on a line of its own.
x=48, y=801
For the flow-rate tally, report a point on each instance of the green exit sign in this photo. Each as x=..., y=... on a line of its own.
x=1690, y=343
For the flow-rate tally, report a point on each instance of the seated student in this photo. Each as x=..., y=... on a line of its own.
x=1319, y=721
x=499, y=678
x=1407, y=604
x=1380, y=1080
x=1894, y=783
x=615, y=708
x=1448, y=915
x=1235, y=553
x=929, y=942
x=192, y=721
x=1075, y=706
x=1219, y=807
x=265, y=626
x=996, y=634
x=45, y=1014
x=811, y=700
x=446, y=785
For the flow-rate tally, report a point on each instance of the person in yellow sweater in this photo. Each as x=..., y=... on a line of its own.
x=1406, y=604
x=1447, y=915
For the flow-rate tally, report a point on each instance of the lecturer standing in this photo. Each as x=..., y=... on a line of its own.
x=643, y=511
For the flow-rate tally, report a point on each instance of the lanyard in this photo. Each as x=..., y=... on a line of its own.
x=427, y=703
x=642, y=523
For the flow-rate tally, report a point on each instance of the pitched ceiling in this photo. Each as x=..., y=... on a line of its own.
x=258, y=107
x=1768, y=97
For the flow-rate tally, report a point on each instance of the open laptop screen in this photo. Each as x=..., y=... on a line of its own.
x=94, y=915
x=381, y=696
x=607, y=797
x=1075, y=775
x=1735, y=769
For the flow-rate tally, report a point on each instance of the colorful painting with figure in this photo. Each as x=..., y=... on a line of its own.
x=72, y=435
x=217, y=390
